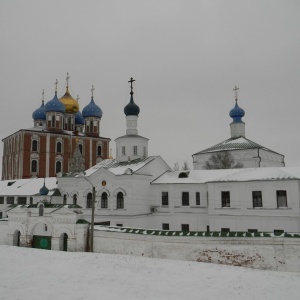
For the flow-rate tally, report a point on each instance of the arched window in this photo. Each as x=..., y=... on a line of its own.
x=34, y=145
x=65, y=199
x=120, y=200
x=80, y=148
x=53, y=121
x=58, y=167
x=41, y=210
x=104, y=200
x=99, y=150
x=74, y=199
x=33, y=166
x=58, y=147
x=89, y=199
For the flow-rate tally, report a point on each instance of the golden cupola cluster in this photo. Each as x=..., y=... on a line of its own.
x=70, y=103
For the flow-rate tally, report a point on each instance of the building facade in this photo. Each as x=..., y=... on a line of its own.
x=244, y=151
x=46, y=149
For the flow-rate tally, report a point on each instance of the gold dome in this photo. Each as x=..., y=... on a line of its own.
x=70, y=103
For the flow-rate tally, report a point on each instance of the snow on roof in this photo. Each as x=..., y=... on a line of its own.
x=119, y=168
x=244, y=174
x=26, y=187
x=234, y=144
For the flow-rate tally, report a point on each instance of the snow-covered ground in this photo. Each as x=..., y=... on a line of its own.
x=41, y=274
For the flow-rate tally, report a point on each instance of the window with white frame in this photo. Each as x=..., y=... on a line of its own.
x=185, y=198
x=225, y=199
x=120, y=200
x=58, y=167
x=99, y=150
x=257, y=198
x=104, y=200
x=197, y=198
x=58, y=147
x=123, y=150
x=135, y=150
x=89, y=200
x=33, y=166
x=164, y=198
x=34, y=146
x=281, y=198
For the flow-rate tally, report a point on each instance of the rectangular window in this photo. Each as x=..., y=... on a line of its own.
x=281, y=199
x=1, y=200
x=185, y=227
x=252, y=230
x=134, y=150
x=165, y=226
x=1, y=215
x=10, y=200
x=225, y=199
x=120, y=225
x=185, y=199
x=144, y=152
x=225, y=229
x=197, y=198
x=123, y=150
x=257, y=199
x=21, y=200
x=164, y=198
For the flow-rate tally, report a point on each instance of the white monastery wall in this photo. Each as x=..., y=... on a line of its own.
x=277, y=253
x=3, y=232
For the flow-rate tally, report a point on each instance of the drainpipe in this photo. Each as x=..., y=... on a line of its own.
x=258, y=157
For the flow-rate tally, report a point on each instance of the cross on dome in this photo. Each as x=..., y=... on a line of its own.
x=56, y=83
x=131, y=87
x=92, y=90
x=235, y=92
x=67, y=79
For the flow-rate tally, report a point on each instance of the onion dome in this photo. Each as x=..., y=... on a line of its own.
x=44, y=190
x=55, y=105
x=131, y=109
x=70, y=103
x=39, y=114
x=237, y=113
x=79, y=120
x=92, y=110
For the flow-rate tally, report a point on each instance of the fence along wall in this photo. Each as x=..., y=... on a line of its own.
x=268, y=253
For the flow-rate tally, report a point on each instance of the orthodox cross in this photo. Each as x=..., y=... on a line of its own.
x=131, y=88
x=43, y=95
x=235, y=92
x=67, y=79
x=92, y=90
x=56, y=83
x=77, y=98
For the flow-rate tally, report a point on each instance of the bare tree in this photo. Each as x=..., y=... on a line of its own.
x=176, y=167
x=222, y=160
x=185, y=166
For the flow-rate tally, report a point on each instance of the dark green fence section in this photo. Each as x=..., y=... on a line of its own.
x=41, y=242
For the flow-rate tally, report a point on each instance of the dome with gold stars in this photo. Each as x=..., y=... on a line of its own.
x=70, y=103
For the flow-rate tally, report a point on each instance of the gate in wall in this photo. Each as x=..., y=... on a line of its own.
x=41, y=242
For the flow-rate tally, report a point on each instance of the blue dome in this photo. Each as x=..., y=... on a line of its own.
x=237, y=113
x=131, y=109
x=79, y=118
x=55, y=105
x=39, y=114
x=92, y=110
x=44, y=191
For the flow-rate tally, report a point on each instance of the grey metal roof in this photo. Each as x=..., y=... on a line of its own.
x=239, y=143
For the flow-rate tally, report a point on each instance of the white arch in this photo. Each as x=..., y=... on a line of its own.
x=99, y=193
x=40, y=221
x=61, y=230
x=12, y=228
x=119, y=190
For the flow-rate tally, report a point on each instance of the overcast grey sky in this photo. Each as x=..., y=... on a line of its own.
x=186, y=57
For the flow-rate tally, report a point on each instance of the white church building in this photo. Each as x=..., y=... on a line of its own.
x=142, y=191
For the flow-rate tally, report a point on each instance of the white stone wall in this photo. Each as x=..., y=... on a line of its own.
x=282, y=254
x=3, y=233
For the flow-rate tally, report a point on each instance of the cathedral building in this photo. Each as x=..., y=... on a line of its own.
x=247, y=153
x=46, y=149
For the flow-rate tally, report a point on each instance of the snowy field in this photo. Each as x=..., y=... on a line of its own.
x=41, y=274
